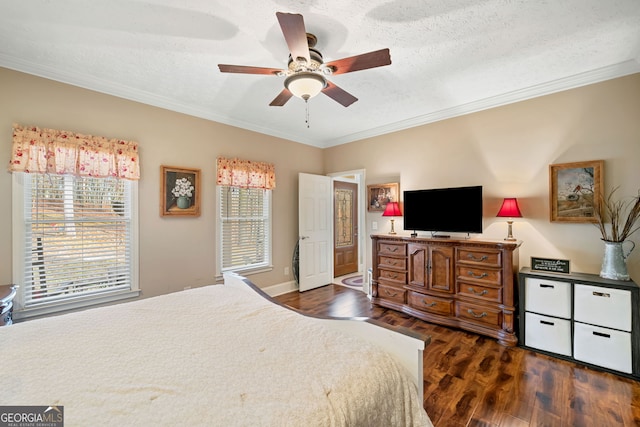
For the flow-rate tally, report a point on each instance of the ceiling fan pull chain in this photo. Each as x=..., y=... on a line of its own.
x=306, y=119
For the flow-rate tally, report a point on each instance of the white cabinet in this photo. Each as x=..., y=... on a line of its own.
x=606, y=307
x=581, y=317
x=602, y=328
x=549, y=297
x=548, y=333
x=603, y=347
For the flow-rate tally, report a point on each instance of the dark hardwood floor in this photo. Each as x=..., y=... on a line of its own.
x=471, y=380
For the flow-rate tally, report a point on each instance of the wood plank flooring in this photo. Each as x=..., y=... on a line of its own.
x=471, y=380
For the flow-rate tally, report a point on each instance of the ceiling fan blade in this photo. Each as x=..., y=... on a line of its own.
x=292, y=25
x=374, y=59
x=282, y=98
x=339, y=95
x=244, y=69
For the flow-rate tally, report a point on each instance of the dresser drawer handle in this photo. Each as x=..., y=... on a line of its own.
x=391, y=294
x=477, y=276
x=473, y=257
x=392, y=276
x=477, y=316
x=392, y=249
x=544, y=322
x=473, y=291
x=429, y=304
x=601, y=294
x=547, y=286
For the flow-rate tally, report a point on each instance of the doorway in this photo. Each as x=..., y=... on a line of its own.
x=354, y=177
x=314, y=254
x=345, y=226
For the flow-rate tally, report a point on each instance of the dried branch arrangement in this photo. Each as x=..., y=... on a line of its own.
x=623, y=215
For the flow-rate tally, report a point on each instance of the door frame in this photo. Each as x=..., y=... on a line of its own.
x=359, y=179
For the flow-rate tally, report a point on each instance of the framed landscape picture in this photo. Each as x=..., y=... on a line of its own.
x=574, y=188
x=179, y=191
x=378, y=195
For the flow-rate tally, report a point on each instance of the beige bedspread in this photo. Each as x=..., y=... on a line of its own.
x=209, y=356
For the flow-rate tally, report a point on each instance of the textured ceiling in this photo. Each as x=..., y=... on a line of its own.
x=449, y=57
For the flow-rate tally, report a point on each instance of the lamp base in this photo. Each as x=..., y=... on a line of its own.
x=392, y=230
x=510, y=237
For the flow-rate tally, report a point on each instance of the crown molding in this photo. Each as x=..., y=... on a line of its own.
x=109, y=88
x=583, y=79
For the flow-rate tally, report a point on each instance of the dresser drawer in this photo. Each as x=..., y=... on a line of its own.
x=391, y=293
x=487, y=316
x=431, y=304
x=479, y=274
x=548, y=297
x=548, y=333
x=479, y=257
x=390, y=262
x=398, y=277
x=484, y=293
x=388, y=248
x=603, y=347
x=600, y=306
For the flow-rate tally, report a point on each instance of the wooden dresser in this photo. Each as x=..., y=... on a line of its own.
x=469, y=284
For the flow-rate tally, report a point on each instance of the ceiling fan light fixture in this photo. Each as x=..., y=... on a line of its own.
x=305, y=85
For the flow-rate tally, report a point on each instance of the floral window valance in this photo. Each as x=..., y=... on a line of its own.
x=246, y=173
x=61, y=152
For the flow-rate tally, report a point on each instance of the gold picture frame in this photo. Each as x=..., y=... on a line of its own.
x=179, y=191
x=574, y=189
x=378, y=195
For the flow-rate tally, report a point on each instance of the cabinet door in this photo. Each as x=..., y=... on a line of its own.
x=418, y=265
x=441, y=269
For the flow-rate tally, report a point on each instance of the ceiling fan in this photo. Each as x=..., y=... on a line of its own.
x=306, y=72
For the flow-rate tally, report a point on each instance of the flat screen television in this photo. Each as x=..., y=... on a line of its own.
x=456, y=210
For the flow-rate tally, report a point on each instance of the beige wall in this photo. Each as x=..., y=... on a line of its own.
x=174, y=252
x=508, y=150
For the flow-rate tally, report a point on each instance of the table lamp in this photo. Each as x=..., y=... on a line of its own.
x=392, y=209
x=509, y=210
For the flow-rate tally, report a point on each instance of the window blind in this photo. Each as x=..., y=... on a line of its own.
x=77, y=237
x=245, y=227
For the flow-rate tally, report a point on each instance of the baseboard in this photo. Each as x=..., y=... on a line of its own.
x=281, y=288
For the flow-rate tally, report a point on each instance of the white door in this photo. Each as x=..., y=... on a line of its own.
x=314, y=231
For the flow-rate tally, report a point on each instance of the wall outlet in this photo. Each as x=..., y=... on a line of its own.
x=374, y=225
x=286, y=271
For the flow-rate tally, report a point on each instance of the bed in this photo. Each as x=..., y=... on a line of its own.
x=220, y=355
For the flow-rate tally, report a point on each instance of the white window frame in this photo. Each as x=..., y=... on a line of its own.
x=267, y=265
x=18, y=249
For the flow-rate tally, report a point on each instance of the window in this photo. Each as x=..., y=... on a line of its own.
x=245, y=228
x=75, y=241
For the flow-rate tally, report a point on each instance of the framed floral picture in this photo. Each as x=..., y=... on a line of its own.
x=378, y=195
x=179, y=191
x=574, y=189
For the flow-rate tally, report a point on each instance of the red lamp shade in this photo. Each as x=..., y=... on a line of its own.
x=392, y=209
x=510, y=208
